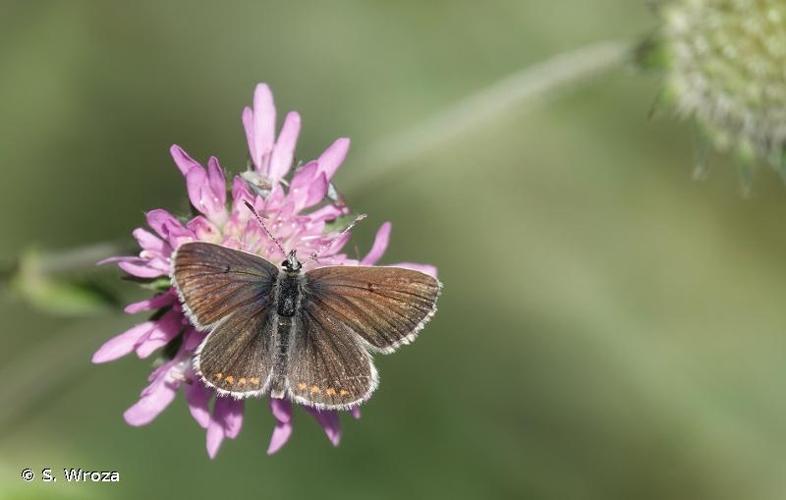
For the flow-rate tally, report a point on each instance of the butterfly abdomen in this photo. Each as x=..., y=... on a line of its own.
x=287, y=303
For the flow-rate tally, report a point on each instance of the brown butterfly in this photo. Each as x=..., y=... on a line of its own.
x=304, y=336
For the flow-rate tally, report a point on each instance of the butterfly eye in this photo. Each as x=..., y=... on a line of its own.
x=291, y=264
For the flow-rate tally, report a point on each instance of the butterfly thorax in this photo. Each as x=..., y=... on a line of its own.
x=288, y=293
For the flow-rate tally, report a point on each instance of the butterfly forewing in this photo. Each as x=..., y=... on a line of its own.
x=384, y=306
x=214, y=281
x=229, y=293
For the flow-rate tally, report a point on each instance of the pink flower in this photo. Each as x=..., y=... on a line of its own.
x=297, y=210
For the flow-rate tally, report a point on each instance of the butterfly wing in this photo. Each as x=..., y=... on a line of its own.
x=346, y=311
x=385, y=306
x=327, y=367
x=229, y=293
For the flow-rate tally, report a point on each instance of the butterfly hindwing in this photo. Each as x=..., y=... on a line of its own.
x=327, y=367
x=237, y=355
x=229, y=293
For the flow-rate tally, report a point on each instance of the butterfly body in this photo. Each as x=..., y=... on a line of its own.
x=304, y=336
x=287, y=296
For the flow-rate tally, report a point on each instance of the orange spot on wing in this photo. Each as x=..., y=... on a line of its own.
x=302, y=386
x=254, y=380
x=330, y=391
x=218, y=376
x=230, y=380
x=315, y=389
x=242, y=381
x=344, y=392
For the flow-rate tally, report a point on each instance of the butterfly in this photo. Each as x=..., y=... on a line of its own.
x=307, y=336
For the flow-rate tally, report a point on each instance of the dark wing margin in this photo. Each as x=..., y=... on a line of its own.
x=385, y=306
x=229, y=293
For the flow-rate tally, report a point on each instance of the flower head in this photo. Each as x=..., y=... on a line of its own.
x=725, y=63
x=299, y=214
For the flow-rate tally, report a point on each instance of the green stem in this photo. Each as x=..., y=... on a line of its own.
x=64, y=261
x=79, y=258
x=533, y=84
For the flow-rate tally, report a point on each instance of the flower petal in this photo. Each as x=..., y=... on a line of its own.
x=279, y=437
x=192, y=338
x=217, y=180
x=119, y=258
x=248, y=125
x=203, y=229
x=226, y=421
x=330, y=423
x=334, y=243
x=198, y=190
x=120, y=345
x=198, y=397
x=183, y=161
x=304, y=176
x=355, y=412
x=163, y=331
x=284, y=151
x=316, y=191
x=423, y=268
x=282, y=411
x=160, y=221
x=168, y=227
x=161, y=372
x=156, y=397
x=231, y=411
x=240, y=191
x=202, y=195
x=333, y=157
x=140, y=269
x=156, y=302
x=380, y=245
x=215, y=436
x=149, y=241
x=260, y=125
x=328, y=212
x=308, y=187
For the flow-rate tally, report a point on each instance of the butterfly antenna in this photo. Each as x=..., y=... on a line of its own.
x=344, y=231
x=267, y=231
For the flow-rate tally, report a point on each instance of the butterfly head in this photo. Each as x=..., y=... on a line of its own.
x=292, y=265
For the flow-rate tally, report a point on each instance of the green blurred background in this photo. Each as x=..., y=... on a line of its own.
x=610, y=329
